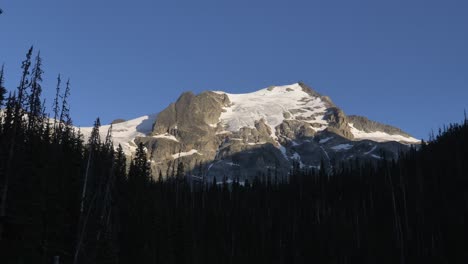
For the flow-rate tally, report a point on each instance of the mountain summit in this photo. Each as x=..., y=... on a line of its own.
x=243, y=135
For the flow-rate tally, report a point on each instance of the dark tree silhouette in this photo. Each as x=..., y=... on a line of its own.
x=64, y=199
x=3, y=90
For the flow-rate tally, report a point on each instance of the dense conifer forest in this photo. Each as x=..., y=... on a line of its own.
x=64, y=200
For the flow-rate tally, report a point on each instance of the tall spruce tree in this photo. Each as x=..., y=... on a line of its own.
x=34, y=100
x=3, y=90
x=56, y=106
x=120, y=166
x=139, y=171
x=94, y=140
x=64, y=117
x=22, y=89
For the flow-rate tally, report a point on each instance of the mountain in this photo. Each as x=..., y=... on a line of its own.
x=242, y=135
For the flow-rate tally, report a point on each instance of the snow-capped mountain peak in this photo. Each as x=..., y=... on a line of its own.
x=268, y=128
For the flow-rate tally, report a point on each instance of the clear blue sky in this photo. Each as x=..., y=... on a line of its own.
x=399, y=62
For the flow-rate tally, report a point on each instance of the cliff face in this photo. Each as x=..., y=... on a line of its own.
x=242, y=135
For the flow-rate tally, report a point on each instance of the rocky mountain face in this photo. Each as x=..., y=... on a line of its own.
x=242, y=135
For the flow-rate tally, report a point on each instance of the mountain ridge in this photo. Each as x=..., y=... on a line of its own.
x=215, y=131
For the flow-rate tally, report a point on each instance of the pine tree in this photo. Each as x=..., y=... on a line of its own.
x=9, y=114
x=139, y=172
x=64, y=117
x=56, y=107
x=22, y=89
x=86, y=204
x=94, y=140
x=120, y=165
x=34, y=100
x=2, y=86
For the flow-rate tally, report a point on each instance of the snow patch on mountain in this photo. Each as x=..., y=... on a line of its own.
x=325, y=140
x=342, y=147
x=188, y=153
x=379, y=136
x=283, y=151
x=231, y=164
x=370, y=151
x=167, y=136
x=124, y=133
x=297, y=157
x=274, y=105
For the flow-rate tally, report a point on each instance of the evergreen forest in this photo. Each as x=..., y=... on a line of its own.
x=64, y=200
